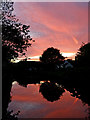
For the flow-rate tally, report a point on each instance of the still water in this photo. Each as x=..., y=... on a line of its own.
x=32, y=104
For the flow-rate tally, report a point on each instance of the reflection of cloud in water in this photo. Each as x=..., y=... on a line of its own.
x=32, y=104
x=26, y=107
x=75, y=100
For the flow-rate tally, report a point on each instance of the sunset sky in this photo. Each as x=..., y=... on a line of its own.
x=63, y=25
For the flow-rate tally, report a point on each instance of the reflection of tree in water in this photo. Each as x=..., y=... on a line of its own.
x=79, y=90
x=6, y=99
x=51, y=91
x=88, y=113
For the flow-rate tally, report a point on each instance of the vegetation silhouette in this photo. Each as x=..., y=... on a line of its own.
x=51, y=55
x=6, y=97
x=15, y=40
x=76, y=81
x=51, y=91
x=83, y=55
x=15, y=35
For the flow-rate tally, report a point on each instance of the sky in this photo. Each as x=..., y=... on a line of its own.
x=62, y=25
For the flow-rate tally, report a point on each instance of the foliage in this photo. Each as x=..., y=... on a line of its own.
x=51, y=55
x=83, y=55
x=15, y=35
x=10, y=116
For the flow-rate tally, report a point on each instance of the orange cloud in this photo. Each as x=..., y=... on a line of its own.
x=75, y=40
x=61, y=25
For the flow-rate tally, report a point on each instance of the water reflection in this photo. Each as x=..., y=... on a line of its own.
x=31, y=103
x=51, y=91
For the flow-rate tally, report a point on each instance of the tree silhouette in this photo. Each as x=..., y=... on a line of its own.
x=51, y=55
x=83, y=55
x=15, y=35
x=51, y=91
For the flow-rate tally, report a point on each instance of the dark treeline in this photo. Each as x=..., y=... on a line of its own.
x=75, y=80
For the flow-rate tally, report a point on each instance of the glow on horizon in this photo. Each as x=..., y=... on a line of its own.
x=68, y=55
x=36, y=58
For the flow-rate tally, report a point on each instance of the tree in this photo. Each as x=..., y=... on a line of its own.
x=83, y=55
x=15, y=35
x=51, y=55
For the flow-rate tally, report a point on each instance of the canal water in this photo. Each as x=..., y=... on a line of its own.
x=31, y=103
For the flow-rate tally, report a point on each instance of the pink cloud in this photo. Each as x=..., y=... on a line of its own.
x=61, y=25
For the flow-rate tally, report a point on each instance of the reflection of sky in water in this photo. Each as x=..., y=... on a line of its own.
x=32, y=104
